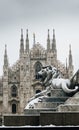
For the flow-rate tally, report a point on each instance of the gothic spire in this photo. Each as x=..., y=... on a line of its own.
x=48, y=41
x=70, y=49
x=70, y=56
x=70, y=67
x=34, y=39
x=27, y=34
x=21, y=34
x=21, y=43
x=54, y=41
x=48, y=34
x=5, y=57
x=27, y=41
x=53, y=33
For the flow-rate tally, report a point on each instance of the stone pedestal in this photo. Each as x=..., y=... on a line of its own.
x=49, y=103
x=71, y=104
x=58, y=93
x=68, y=108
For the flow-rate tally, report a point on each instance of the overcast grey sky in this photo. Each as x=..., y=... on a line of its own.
x=39, y=16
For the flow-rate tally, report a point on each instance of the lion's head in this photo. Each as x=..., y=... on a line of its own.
x=45, y=71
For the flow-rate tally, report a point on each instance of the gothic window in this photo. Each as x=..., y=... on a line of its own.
x=38, y=67
x=13, y=108
x=13, y=91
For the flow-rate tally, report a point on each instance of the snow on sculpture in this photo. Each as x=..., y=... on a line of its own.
x=37, y=98
x=31, y=104
x=51, y=78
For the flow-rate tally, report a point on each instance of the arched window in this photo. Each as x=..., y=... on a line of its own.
x=13, y=108
x=38, y=91
x=38, y=67
x=13, y=91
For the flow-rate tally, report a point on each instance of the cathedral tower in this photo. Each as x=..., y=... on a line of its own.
x=54, y=51
x=21, y=44
x=5, y=81
x=24, y=74
x=48, y=42
x=34, y=39
x=27, y=42
x=54, y=42
x=70, y=68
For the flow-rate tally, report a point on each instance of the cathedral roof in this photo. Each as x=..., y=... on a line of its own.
x=37, y=46
x=38, y=51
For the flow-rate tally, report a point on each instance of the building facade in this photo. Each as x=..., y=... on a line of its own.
x=16, y=83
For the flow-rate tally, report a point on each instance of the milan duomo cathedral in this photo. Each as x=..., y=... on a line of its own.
x=16, y=82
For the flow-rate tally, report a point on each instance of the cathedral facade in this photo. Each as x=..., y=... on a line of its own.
x=16, y=83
